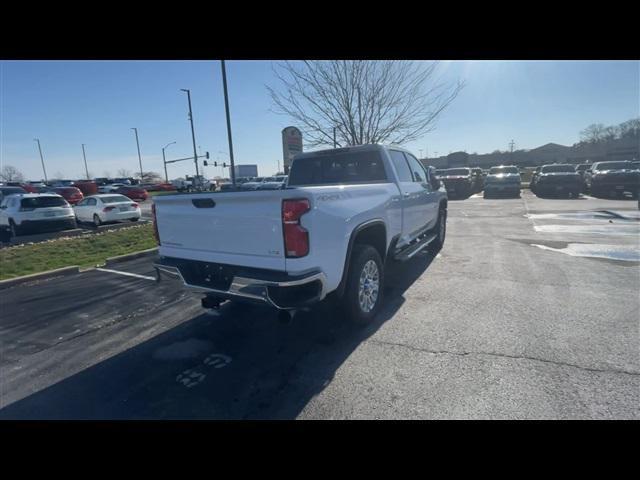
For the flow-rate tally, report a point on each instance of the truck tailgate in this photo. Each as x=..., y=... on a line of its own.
x=239, y=228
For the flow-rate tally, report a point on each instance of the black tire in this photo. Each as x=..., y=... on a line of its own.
x=441, y=232
x=134, y=219
x=96, y=220
x=360, y=257
x=14, y=230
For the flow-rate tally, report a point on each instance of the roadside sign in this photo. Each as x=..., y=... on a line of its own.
x=291, y=145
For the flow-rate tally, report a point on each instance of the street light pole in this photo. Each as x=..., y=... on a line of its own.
x=84, y=155
x=226, y=106
x=41, y=159
x=193, y=133
x=139, y=156
x=164, y=161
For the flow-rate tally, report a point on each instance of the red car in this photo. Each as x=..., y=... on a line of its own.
x=71, y=194
x=25, y=186
x=133, y=192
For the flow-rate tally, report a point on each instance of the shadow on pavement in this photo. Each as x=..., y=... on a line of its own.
x=236, y=363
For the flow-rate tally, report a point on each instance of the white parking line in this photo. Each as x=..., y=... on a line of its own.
x=144, y=277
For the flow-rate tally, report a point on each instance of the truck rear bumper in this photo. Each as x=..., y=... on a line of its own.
x=276, y=289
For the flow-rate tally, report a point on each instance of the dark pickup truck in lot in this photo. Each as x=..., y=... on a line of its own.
x=613, y=179
x=459, y=182
x=556, y=179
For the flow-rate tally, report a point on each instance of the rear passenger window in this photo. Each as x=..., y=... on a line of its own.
x=419, y=175
x=404, y=173
x=338, y=167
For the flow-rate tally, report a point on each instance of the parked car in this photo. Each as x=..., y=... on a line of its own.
x=27, y=187
x=71, y=194
x=63, y=183
x=111, y=187
x=35, y=213
x=158, y=187
x=459, y=182
x=225, y=187
x=344, y=214
x=273, y=183
x=502, y=180
x=100, y=181
x=581, y=169
x=478, y=180
x=7, y=190
x=253, y=184
x=87, y=187
x=134, y=192
x=104, y=208
x=122, y=181
x=558, y=179
x=612, y=179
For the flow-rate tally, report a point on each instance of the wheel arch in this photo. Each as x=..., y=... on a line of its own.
x=372, y=232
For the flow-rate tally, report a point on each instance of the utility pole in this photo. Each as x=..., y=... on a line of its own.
x=41, y=159
x=511, y=145
x=420, y=150
x=226, y=106
x=84, y=155
x=139, y=156
x=193, y=133
x=164, y=161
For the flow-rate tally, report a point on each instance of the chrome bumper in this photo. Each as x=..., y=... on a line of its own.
x=246, y=288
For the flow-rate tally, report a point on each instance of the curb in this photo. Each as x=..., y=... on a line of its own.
x=58, y=272
x=131, y=256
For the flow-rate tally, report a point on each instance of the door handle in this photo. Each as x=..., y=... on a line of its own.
x=406, y=195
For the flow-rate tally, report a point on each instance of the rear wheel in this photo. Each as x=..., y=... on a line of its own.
x=96, y=220
x=135, y=219
x=365, y=283
x=441, y=230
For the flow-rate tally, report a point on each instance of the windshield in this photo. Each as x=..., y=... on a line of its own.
x=457, y=171
x=498, y=170
x=43, y=202
x=558, y=168
x=614, y=166
x=337, y=168
x=115, y=199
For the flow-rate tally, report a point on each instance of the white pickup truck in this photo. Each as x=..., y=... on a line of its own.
x=344, y=213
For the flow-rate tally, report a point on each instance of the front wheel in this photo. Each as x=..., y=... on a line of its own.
x=96, y=220
x=135, y=219
x=14, y=230
x=363, y=295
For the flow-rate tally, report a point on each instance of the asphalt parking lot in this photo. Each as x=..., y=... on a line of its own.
x=531, y=311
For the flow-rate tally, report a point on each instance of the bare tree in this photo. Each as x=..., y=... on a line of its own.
x=593, y=133
x=149, y=177
x=630, y=128
x=365, y=101
x=11, y=174
x=124, y=173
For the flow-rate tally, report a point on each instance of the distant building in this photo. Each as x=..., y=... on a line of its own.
x=246, y=170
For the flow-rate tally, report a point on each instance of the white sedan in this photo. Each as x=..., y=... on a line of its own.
x=107, y=208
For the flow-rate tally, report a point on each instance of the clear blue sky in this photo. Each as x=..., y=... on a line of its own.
x=66, y=104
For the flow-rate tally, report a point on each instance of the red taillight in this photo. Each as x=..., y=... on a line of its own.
x=296, y=238
x=134, y=205
x=155, y=223
x=108, y=209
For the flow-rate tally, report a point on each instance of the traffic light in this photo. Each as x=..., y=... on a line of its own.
x=206, y=155
x=206, y=164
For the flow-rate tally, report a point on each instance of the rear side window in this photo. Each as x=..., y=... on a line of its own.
x=338, y=168
x=43, y=202
x=402, y=167
x=419, y=174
